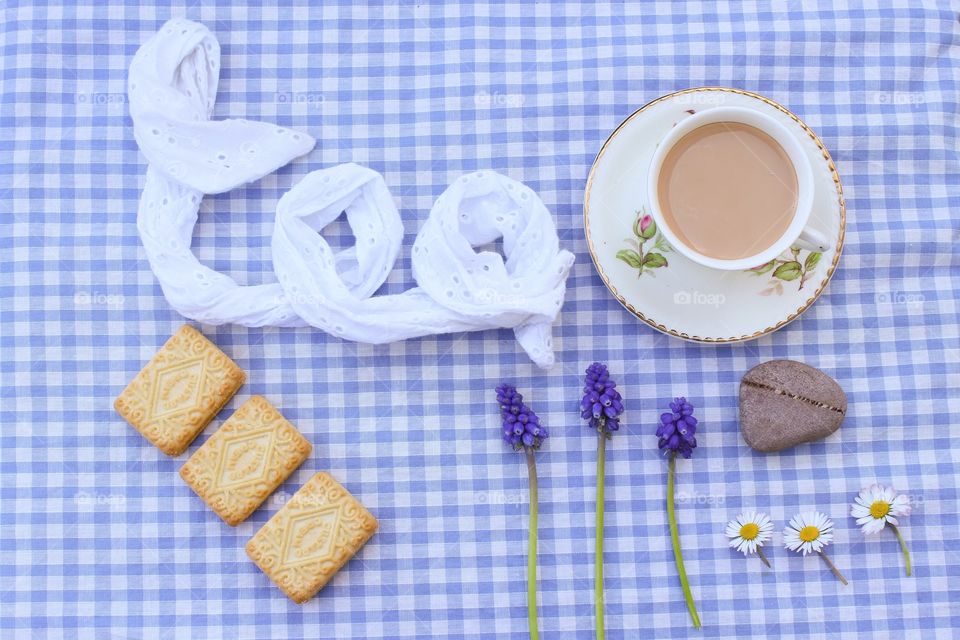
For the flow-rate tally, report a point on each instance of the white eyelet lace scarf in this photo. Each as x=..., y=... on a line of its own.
x=172, y=86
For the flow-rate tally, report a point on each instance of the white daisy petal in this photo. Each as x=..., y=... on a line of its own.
x=900, y=506
x=889, y=493
x=791, y=538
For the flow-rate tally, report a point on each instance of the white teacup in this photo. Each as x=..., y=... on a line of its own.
x=798, y=233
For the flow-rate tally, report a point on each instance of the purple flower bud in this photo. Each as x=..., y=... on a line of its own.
x=601, y=405
x=677, y=428
x=521, y=426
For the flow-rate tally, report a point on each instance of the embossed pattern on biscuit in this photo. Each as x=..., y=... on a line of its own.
x=180, y=390
x=305, y=543
x=247, y=458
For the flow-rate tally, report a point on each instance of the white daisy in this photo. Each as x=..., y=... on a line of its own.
x=750, y=531
x=808, y=532
x=878, y=505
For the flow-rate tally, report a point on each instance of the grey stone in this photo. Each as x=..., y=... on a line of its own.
x=784, y=403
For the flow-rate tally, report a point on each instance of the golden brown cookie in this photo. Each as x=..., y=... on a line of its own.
x=173, y=398
x=245, y=460
x=305, y=543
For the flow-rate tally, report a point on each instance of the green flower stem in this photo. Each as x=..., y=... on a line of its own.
x=903, y=546
x=532, y=547
x=598, y=560
x=833, y=568
x=763, y=556
x=675, y=537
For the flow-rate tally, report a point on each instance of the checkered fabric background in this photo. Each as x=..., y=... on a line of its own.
x=99, y=537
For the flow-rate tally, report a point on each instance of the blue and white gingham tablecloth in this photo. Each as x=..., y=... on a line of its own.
x=99, y=537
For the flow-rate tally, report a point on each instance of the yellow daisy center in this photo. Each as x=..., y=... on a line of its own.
x=809, y=533
x=749, y=531
x=879, y=509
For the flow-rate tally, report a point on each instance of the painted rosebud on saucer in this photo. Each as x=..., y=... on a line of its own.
x=645, y=227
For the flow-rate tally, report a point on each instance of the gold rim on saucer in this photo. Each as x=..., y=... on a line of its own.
x=680, y=334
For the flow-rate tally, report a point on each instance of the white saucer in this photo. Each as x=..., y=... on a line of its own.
x=671, y=293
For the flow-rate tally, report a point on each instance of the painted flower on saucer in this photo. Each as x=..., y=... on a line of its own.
x=878, y=507
x=646, y=246
x=788, y=267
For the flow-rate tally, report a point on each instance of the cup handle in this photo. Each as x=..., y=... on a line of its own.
x=813, y=240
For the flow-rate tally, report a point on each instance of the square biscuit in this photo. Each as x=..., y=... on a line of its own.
x=177, y=394
x=247, y=458
x=305, y=543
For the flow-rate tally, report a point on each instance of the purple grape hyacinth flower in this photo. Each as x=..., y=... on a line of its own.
x=601, y=405
x=522, y=431
x=676, y=432
x=678, y=428
x=521, y=426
